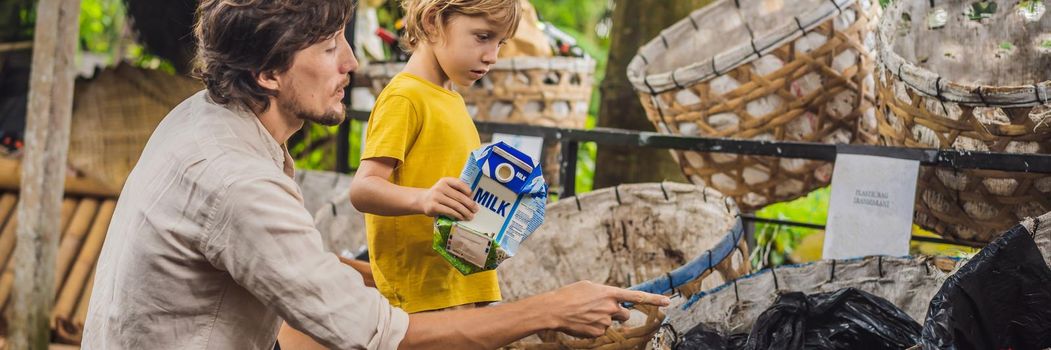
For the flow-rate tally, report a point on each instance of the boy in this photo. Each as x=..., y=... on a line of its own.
x=419, y=137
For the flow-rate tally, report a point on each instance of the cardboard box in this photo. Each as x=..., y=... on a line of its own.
x=511, y=194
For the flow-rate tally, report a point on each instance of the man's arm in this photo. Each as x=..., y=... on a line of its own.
x=582, y=309
x=372, y=192
x=266, y=240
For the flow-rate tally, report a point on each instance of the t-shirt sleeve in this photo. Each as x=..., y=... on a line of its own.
x=393, y=127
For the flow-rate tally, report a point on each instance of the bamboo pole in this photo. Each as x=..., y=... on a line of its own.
x=7, y=204
x=71, y=290
x=7, y=217
x=7, y=232
x=68, y=206
x=11, y=179
x=74, y=237
x=48, y=113
x=19, y=45
x=81, y=314
x=7, y=241
x=71, y=329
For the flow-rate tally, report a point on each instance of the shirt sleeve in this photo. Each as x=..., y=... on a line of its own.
x=392, y=129
x=265, y=239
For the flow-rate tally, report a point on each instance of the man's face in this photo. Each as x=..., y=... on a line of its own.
x=313, y=88
x=469, y=47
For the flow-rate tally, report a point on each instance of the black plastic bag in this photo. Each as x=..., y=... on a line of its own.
x=846, y=319
x=1001, y=299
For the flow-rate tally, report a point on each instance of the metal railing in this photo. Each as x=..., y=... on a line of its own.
x=570, y=140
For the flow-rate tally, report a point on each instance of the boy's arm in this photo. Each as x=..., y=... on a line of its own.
x=581, y=309
x=372, y=192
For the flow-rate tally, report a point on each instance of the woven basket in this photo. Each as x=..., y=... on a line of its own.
x=732, y=308
x=673, y=236
x=763, y=70
x=544, y=91
x=114, y=115
x=968, y=85
x=326, y=194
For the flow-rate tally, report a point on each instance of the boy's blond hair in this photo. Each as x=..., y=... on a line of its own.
x=439, y=12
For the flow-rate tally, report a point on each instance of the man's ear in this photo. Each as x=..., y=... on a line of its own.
x=268, y=80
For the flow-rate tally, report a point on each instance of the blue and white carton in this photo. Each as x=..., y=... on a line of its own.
x=511, y=194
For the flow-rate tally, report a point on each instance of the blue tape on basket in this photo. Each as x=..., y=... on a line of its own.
x=693, y=269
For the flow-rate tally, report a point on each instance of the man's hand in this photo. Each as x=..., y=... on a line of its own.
x=450, y=197
x=582, y=309
x=586, y=309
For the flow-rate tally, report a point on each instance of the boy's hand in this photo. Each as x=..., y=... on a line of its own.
x=450, y=197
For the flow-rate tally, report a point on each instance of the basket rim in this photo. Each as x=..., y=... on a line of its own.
x=729, y=59
x=573, y=64
x=905, y=259
x=698, y=264
x=931, y=84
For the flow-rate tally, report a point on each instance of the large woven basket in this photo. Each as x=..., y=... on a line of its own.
x=660, y=237
x=732, y=308
x=114, y=115
x=762, y=70
x=947, y=81
x=326, y=194
x=544, y=91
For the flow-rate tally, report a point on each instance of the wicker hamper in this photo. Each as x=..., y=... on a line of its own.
x=762, y=70
x=962, y=75
x=908, y=283
x=625, y=235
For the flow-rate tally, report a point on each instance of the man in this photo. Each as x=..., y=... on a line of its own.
x=210, y=246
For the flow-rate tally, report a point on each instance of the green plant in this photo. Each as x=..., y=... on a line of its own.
x=775, y=243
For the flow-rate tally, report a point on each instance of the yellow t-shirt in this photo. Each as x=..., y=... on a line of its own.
x=428, y=130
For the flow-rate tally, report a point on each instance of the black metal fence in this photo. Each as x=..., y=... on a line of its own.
x=570, y=140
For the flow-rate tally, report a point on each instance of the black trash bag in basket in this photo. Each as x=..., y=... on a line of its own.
x=845, y=319
x=1001, y=299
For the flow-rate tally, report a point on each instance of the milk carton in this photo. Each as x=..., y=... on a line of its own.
x=511, y=195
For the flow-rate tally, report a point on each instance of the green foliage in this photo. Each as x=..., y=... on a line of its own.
x=774, y=243
x=317, y=149
x=16, y=20
x=101, y=22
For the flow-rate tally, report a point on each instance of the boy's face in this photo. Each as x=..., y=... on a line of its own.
x=469, y=48
x=312, y=89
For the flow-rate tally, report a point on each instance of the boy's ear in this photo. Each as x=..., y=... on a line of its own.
x=267, y=80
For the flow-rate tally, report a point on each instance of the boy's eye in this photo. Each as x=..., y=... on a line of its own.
x=482, y=37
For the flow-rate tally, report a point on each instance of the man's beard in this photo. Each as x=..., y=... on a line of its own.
x=327, y=118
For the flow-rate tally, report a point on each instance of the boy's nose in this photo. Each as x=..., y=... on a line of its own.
x=491, y=54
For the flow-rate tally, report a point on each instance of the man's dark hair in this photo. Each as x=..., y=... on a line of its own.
x=239, y=39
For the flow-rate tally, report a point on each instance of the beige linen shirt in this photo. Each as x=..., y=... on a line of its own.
x=210, y=247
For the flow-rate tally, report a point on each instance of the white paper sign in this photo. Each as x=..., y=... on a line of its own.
x=870, y=212
x=530, y=145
